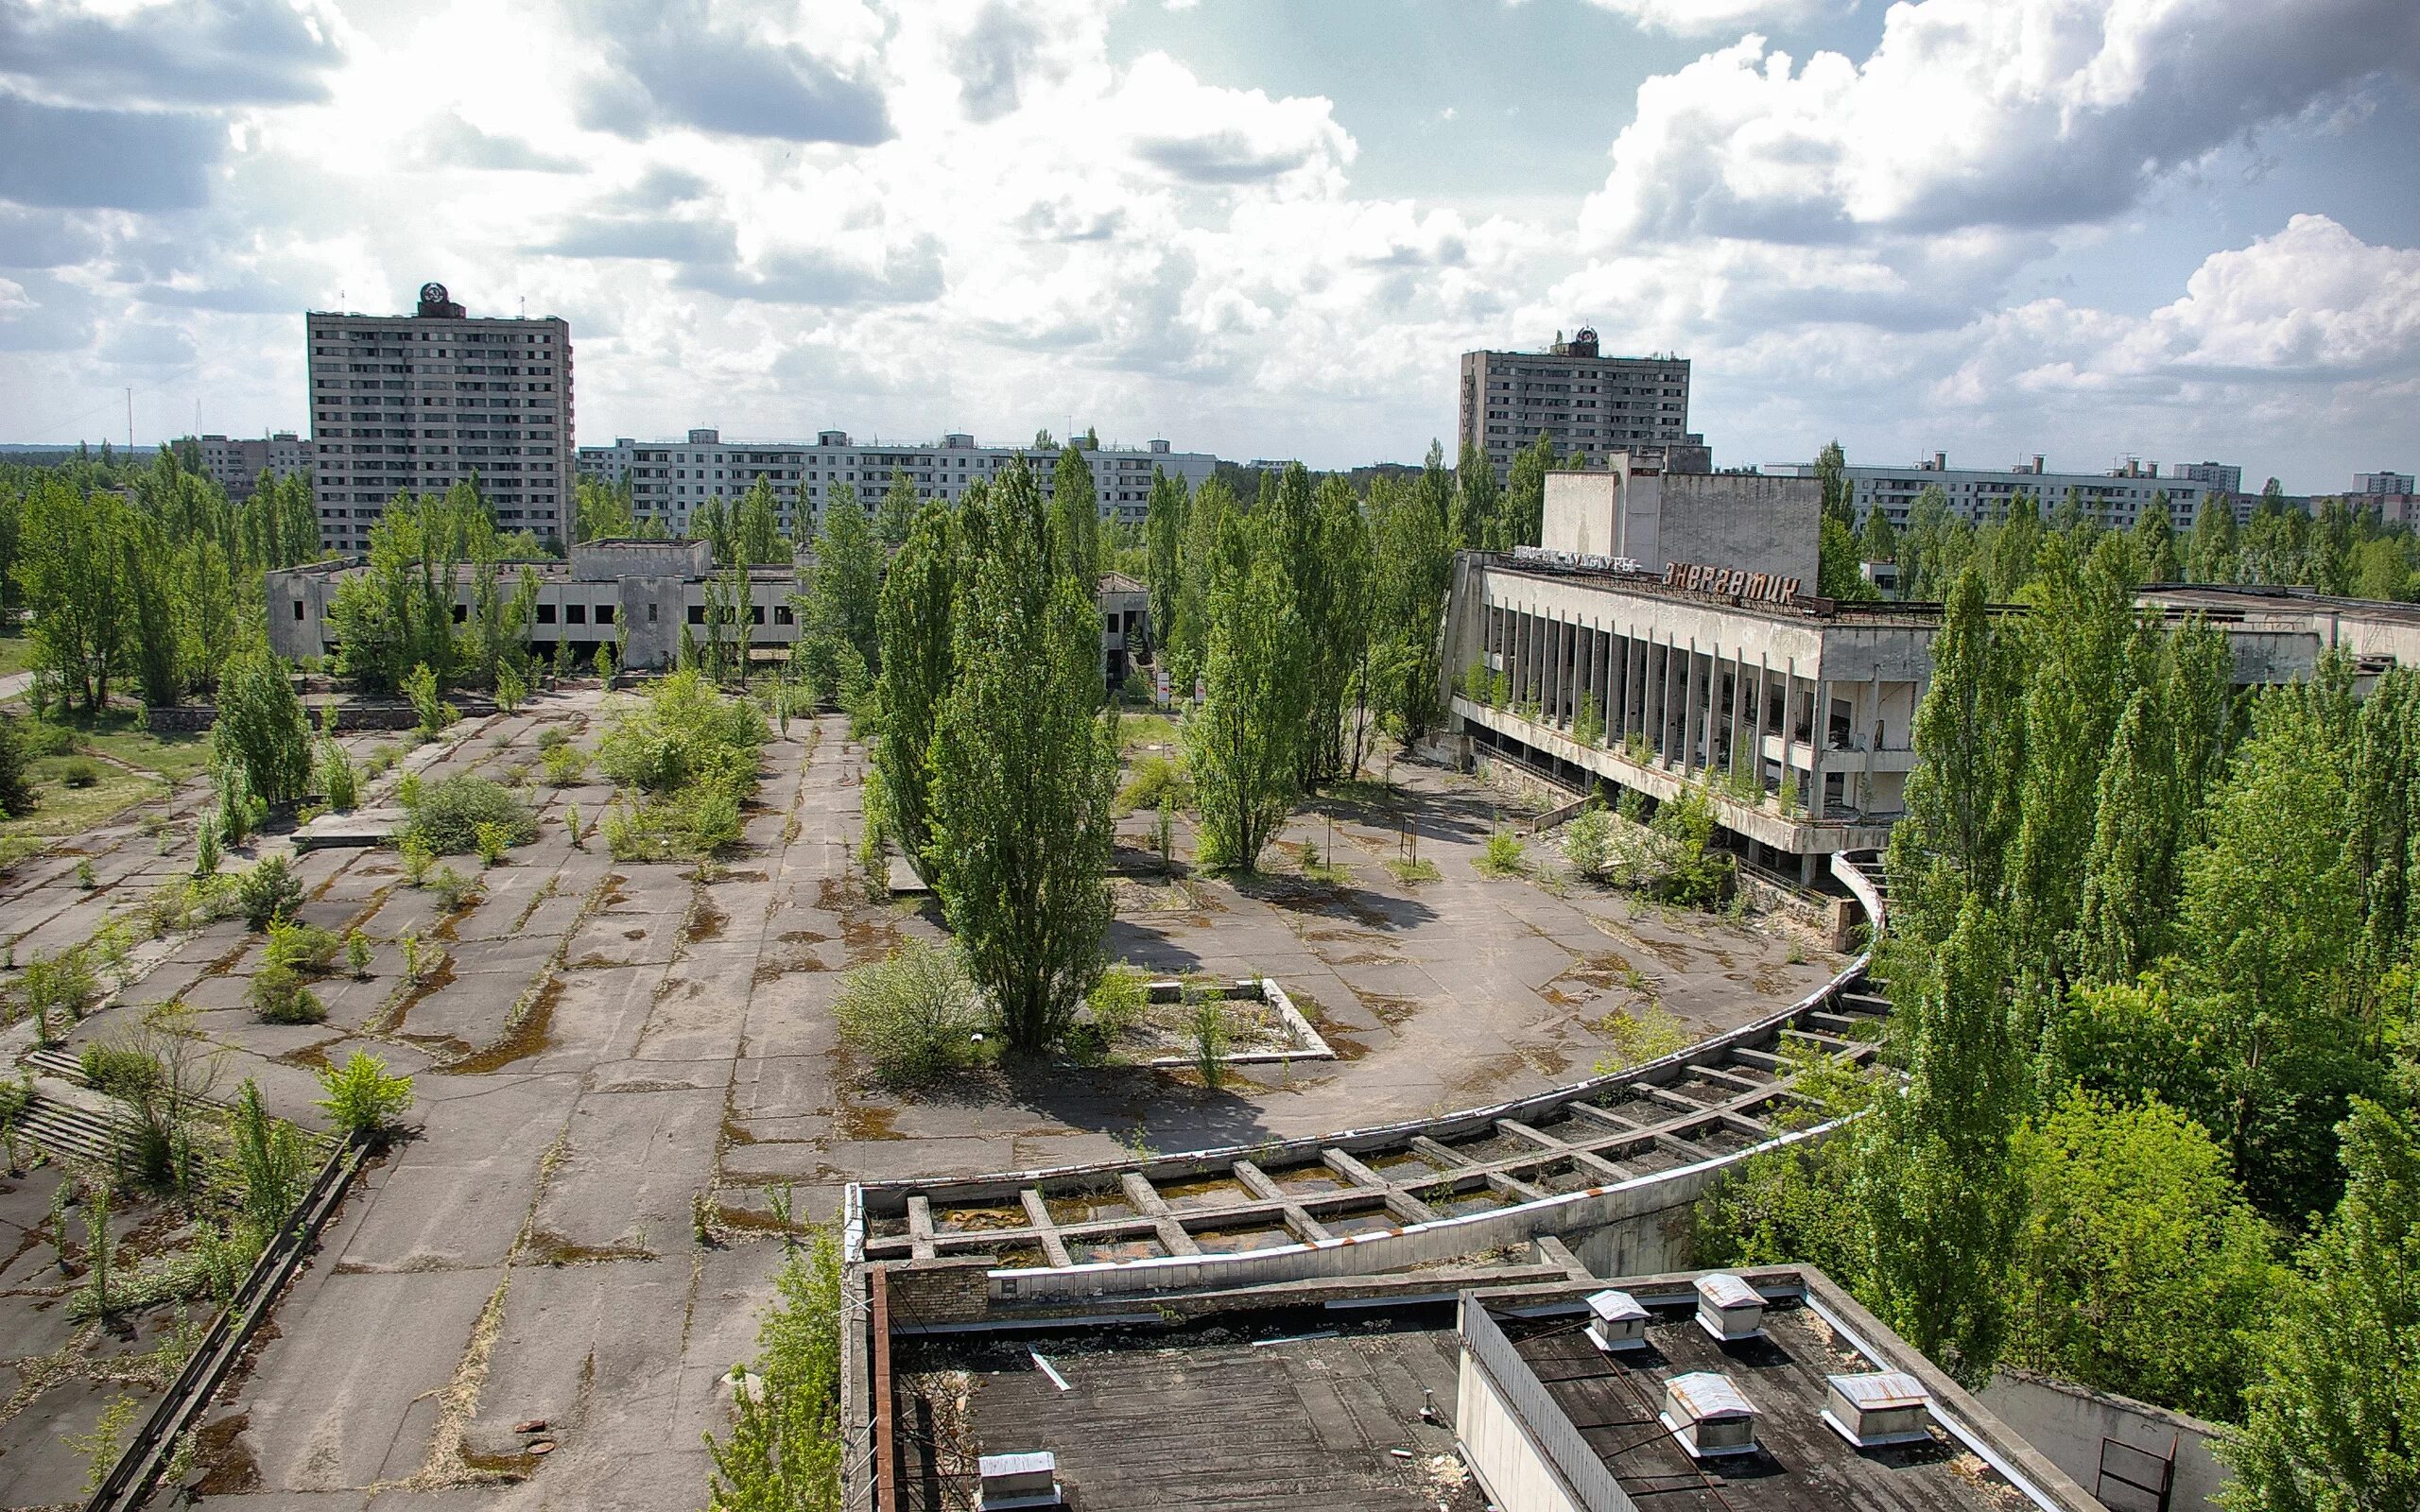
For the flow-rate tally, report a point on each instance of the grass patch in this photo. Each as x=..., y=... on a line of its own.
x=1135, y=731
x=16, y=652
x=1411, y=874
x=61, y=811
x=175, y=756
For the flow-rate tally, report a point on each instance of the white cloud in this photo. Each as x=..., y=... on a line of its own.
x=2021, y=113
x=1698, y=17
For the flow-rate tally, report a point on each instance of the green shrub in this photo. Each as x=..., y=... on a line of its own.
x=913, y=1015
x=454, y=891
x=356, y=954
x=304, y=948
x=124, y=1071
x=1587, y=842
x=1157, y=780
x=447, y=816
x=1505, y=855
x=43, y=738
x=277, y=995
x=1211, y=1036
x=61, y=987
x=491, y=841
x=1118, y=999
x=684, y=734
x=335, y=778
x=416, y=857
x=79, y=772
x=552, y=737
x=562, y=764
x=269, y=891
x=362, y=1100
x=420, y=686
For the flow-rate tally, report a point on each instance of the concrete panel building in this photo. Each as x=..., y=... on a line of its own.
x=2222, y=477
x=670, y=480
x=426, y=400
x=2396, y=483
x=236, y=463
x=640, y=593
x=1655, y=516
x=1579, y=398
x=2116, y=498
x=1798, y=713
x=1794, y=712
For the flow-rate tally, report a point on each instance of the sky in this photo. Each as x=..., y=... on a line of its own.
x=2176, y=230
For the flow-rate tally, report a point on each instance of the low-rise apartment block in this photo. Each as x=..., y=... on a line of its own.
x=2116, y=498
x=236, y=463
x=670, y=480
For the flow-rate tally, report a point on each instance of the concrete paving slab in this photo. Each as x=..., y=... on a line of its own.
x=328, y=1413
x=634, y=1163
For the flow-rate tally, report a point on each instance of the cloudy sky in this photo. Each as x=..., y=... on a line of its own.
x=2177, y=229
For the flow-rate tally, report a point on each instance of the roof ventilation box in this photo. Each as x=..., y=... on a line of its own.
x=1707, y=1414
x=1729, y=1309
x=1028, y=1480
x=1877, y=1409
x=1616, y=1321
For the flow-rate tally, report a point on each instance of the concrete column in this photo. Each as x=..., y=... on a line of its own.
x=1789, y=716
x=1620, y=726
x=1818, y=736
x=1688, y=704
x=1758, y=734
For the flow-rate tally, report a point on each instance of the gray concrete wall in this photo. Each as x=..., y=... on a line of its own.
x=600, y=562
x=1580, y=514
x=2068, y=1423
x=1759, y=525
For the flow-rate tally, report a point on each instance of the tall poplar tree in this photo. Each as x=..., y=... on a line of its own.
x=1961, y=807
x=1164, y=549
x=1075, y=517
x=916, y=631
x=756, y=527
x=898, y=514
x=1522, y=520
x=1411, y=561
x=1023, y=763
x=1941, y=1209
x=843, y=586
x=2334, y=1419
x=1478, y=502
x=2130, y=873
x=1243, y=742
x=2078, y=685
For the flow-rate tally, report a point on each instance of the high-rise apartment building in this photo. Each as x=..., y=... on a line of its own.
x=670, y=480
x=426, y=400
x=1585, y=402
x=2382, y=482
x=236, y=463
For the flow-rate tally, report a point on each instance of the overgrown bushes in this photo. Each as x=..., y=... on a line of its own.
x=784, y=1450
x=688, y=756
x=448, y=816
x=913, y=1017
x=361, y=1099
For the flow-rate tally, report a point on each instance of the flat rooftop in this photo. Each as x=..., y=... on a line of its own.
x=1800, y=1464
x=1297, y=1408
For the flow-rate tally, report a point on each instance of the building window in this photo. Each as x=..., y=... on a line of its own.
x=697, y=614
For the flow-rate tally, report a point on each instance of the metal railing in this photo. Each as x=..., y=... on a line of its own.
x=129, y=1481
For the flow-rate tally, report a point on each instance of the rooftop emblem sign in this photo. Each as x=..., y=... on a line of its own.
x=1699, y=578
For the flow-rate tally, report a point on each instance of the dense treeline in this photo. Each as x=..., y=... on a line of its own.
x=148, y=575
x=2343, y=549
x=2151, y=957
